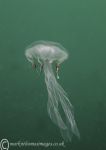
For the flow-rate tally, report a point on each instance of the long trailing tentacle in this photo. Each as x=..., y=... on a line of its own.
x=57, y=96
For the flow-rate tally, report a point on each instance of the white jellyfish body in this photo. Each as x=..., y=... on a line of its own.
x=46, y=53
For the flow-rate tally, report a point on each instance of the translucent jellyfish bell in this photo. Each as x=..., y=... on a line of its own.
x=59, y=107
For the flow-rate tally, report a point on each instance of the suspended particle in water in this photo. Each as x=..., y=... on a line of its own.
x=46, y=53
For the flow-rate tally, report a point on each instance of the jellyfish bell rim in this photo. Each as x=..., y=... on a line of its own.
x=46, y=50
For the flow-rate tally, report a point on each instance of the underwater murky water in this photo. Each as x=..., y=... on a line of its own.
x=80, y=27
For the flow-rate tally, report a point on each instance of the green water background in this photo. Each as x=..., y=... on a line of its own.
x=80, y=26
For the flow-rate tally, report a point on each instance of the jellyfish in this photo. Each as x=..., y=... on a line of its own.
x=59, y=107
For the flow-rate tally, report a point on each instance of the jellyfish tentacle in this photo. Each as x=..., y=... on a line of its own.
x=57, y=96
x=41, y=67
x=55, y=115
x=52, y=105
x=39, y=61
x=69, y=111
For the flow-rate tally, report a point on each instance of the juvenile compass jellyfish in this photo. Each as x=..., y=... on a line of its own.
x=59, y=107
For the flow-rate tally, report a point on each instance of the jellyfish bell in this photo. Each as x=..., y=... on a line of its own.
x=46, y=52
